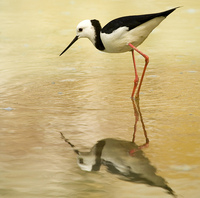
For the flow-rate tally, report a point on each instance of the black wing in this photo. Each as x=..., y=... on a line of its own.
x=132, y=21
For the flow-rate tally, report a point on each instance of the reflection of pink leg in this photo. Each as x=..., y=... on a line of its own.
x=145, y=66
x=144, y=145
x=132, y=151
x=136, y=75
x=135, y=129
x=143, y=126
x=136, y=114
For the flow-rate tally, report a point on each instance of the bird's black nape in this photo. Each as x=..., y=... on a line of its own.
x=97, y=27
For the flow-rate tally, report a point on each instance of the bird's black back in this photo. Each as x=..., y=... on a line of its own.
x=132, y=21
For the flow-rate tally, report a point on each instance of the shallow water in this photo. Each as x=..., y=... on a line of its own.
x=85, y=94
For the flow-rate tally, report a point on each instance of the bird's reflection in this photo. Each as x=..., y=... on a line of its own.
x=121, y=157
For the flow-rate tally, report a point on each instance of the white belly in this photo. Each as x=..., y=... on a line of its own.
x=118, y=40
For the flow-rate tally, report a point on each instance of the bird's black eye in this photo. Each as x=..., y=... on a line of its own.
x=80, y=29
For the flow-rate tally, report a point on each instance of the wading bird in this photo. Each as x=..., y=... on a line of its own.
x=121, y=35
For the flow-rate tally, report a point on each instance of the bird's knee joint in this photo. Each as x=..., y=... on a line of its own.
x=146, y=59
x=136, y=80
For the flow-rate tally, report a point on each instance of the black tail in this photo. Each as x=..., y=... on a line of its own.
x=166, y=13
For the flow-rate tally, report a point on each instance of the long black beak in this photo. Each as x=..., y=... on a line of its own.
x=73, y=41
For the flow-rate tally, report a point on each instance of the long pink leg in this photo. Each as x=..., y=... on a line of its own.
x=145, y=66
x=136, y=75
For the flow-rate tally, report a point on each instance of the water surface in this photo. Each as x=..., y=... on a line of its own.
x=85, y=94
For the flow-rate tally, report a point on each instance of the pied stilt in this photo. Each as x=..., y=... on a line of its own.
x=121, y=35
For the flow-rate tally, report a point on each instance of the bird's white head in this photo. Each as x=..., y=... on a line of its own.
x=84, y=29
